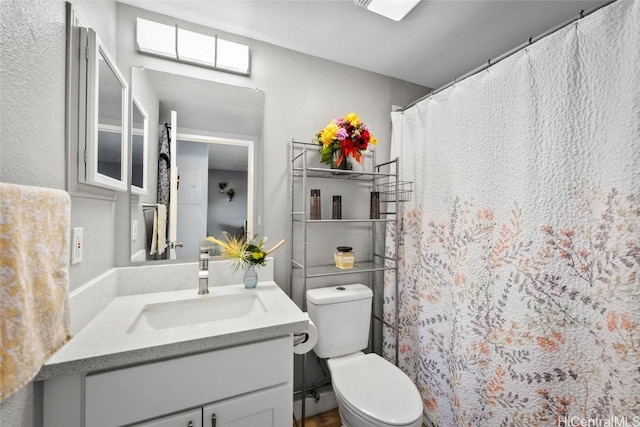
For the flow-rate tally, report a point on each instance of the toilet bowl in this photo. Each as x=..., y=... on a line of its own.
x=370, y=390
x=373, y=392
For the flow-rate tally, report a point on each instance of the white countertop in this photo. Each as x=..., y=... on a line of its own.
x=104, y=343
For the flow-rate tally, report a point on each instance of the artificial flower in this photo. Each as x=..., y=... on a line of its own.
x=243, y=253
x=347, y=136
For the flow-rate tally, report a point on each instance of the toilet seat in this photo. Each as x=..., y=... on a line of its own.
x=375, y=390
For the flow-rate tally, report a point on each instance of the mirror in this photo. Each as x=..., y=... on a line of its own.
x=215, y=194
x=218, y=141
x=104, y=163
x=139, y=148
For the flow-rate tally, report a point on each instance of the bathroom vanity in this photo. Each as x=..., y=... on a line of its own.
x=179, y=359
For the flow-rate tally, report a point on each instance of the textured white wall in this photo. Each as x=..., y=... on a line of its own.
x=97, y=217
x=32, y=120
x=32, y=93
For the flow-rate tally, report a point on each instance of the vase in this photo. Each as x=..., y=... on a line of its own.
x=250, y=278
x=345, y=165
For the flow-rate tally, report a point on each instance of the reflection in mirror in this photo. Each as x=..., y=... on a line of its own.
x=110, y=133
x=219, y=135
x=139, y=147
x=204, y=208
x=105, y=161
x=109, y=151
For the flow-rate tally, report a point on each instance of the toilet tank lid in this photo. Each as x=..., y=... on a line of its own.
x=341, y=293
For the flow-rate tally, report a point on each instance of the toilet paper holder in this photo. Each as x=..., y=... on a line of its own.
x=300, y=338
x=303, y=342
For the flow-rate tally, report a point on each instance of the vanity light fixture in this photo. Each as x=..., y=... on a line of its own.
x=392, y=9
x=154, y=37
x=196, y=47
x=232, y=56
x=171, y=41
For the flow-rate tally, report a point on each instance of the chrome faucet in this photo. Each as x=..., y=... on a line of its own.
x=203, y=271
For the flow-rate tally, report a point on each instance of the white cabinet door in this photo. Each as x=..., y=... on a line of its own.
x=266, y=408
x=191, y=418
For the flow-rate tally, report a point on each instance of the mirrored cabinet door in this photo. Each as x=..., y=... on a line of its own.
x=103, y=162
x=139, y=143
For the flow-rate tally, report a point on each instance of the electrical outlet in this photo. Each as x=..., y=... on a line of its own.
x=134, y=230
x=76, y=245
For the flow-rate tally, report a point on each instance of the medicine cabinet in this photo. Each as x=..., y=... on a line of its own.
x=103, y=96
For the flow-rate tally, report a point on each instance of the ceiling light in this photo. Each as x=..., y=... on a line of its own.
x=392, y=9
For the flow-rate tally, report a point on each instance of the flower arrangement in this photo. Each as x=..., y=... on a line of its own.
x=244, y=253
x=347, y=136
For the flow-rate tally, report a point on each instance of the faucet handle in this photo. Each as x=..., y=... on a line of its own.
x=205, y=246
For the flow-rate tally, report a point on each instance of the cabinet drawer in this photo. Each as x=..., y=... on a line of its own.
x=143, y=392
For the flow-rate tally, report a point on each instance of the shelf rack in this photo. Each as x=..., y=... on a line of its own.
x=383, y=178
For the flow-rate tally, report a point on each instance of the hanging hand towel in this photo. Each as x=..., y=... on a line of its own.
x=159, y=235
x=164, y=165
x=34, y=276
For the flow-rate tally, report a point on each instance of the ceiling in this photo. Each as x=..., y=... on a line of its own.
x=437, y=42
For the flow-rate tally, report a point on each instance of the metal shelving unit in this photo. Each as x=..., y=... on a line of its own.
x=383, y=178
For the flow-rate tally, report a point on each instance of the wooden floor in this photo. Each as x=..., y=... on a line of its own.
x=325, y=419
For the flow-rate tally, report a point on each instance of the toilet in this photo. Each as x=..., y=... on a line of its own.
x=370, y=390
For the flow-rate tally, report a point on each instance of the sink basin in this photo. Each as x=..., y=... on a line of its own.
x=193, y=311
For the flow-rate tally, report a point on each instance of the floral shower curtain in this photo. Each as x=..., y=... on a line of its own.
x=519, y=253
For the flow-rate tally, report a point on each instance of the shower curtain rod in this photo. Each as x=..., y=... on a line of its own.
x=507, y=54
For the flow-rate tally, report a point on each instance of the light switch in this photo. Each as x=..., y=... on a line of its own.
x=76, y=245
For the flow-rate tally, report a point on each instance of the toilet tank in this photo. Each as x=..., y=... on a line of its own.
x=342, y=315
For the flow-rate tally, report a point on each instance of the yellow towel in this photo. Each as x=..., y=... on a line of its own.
x=34, y=276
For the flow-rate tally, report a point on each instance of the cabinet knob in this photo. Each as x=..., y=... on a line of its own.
x=190, y=424
x=214, y=420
